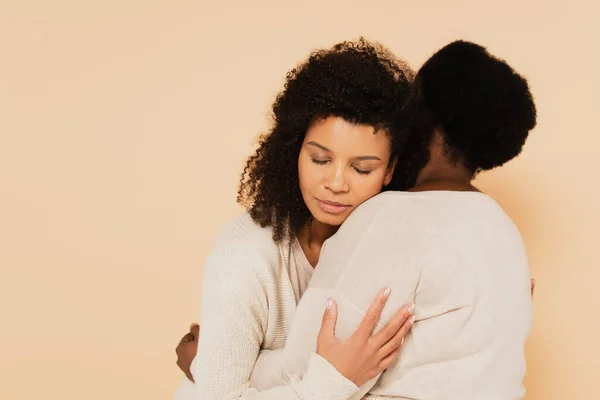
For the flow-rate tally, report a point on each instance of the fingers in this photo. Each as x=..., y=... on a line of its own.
x=394, y=325
x=187, y=338
x=179, y=349
x=389, y=360
x=329, y=320
x=373, y=314
x=195, y=331
x=533, y=282
x=395, y=343
x=191, y=336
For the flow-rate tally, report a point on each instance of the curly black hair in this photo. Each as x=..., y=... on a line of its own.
x=481, y=106
x=361, y=82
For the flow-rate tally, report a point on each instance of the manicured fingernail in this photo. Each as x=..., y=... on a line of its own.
x=411, y=309
x=329, y=303
x=402, y=341
x=411, y=320
x=387, y=291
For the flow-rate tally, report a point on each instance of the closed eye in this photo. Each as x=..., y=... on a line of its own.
x=319, y=162
x=361, y=171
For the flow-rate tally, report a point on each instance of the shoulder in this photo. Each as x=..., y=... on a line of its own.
x=365, y=230
x=381, y=210
x=244, y=252
x=387, y=204
x=242, y=229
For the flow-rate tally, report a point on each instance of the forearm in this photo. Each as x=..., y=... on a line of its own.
x=272, y=368
x=321, y=382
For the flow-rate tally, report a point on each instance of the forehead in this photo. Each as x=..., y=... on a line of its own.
x=339, y=135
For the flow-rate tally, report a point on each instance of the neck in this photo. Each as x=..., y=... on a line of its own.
x=442, y=174
x=315, y=234
x=435, y=172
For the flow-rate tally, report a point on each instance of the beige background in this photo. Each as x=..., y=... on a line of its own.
x=124, y=126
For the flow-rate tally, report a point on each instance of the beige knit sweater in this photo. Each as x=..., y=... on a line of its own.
x=247, y=305
x=455, y=254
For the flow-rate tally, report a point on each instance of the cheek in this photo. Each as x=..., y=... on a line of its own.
x=307, y=175
x=368, y=187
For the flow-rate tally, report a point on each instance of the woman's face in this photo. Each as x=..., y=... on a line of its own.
x=340, y=166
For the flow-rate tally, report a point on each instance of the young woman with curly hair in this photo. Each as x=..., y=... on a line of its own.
x=328, y=151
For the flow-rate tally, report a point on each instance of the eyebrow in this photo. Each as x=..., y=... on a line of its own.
x=320, y=146
x=361, y=158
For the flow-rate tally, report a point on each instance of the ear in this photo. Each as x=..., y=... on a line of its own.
x=389, y=173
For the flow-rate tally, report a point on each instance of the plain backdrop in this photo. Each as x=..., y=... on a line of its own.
x=124, y=126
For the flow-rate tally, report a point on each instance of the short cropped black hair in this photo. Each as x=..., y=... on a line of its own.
x=481, y=106
x=361, y=82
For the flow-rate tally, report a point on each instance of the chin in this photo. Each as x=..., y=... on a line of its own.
x=331, y=219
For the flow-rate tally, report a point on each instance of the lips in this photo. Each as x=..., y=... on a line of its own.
x=332, y=207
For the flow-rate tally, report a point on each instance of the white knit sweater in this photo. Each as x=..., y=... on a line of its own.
x=247, y=305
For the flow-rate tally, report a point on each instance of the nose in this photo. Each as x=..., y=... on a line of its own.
x=336, y=179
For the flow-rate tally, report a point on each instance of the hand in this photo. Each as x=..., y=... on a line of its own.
x=532, y=286
x=186, y=350
x=363, y=356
